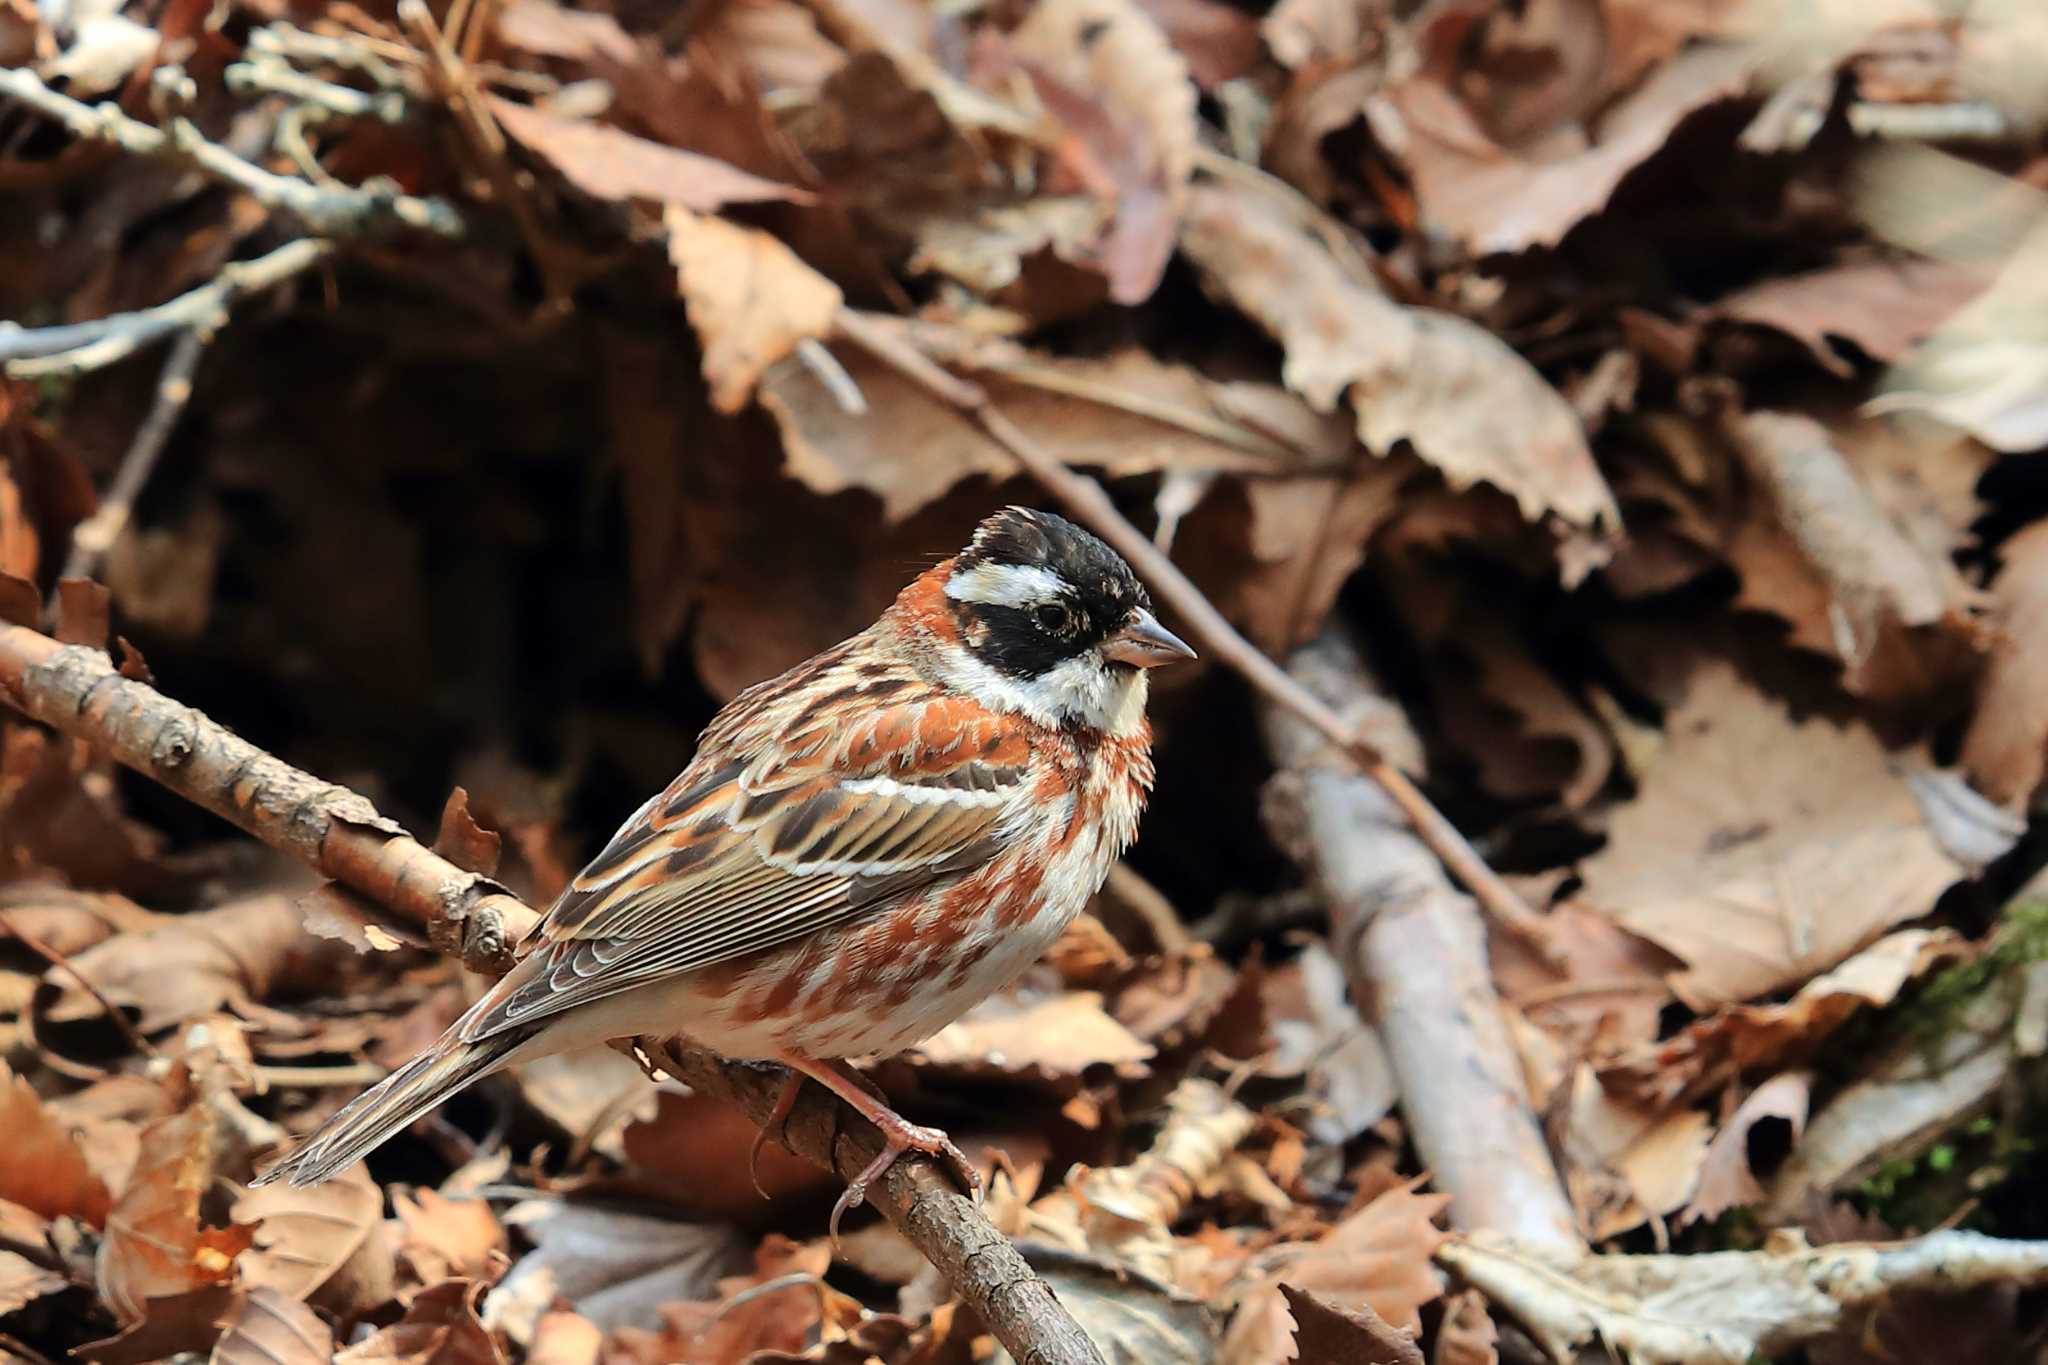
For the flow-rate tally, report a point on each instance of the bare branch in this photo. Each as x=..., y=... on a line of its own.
x=92, y=537
x=79, y=692
x=354, y=212
x=33, y=352
x=1416, y=950
x=888, y=341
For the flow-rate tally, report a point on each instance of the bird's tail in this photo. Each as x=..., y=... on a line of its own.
x=388, y=1106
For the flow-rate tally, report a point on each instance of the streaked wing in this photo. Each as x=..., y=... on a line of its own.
x=787, y=823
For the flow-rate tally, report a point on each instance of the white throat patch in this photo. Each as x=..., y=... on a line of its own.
x=1082, y=689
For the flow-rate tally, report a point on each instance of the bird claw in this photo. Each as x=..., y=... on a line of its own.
x=778, y=1124
x=900, y=1136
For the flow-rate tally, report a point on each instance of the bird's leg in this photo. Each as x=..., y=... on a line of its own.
x=786, y=1101
x=899, y=1135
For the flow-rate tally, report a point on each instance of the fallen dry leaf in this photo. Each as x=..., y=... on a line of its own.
x=1492, y=200
x=237, y=956
x=1625, y=1161
x=697, y=1142
x=562, y=1338
x=1883, y=306
x=750, y=298
x=1325, y=1334
x=1726, y=1181
x=1471, y=406
x=617, y=1268
x=1108, y=70
x=324, y=1242
x=1054, y=1038
x=738, y=1323
x=610, y=163
x=2006, y=748
x=155, y=1244
x=1132, y=1318
x=1317, y=1030
x=1761, y=850
x=1744, y=1037
x=1126, y=413
x=446, y=1239
x=1467, y=1335
x=273, y=1328
x=1378, y=1257
x=439, y=1328
x=44, y=1169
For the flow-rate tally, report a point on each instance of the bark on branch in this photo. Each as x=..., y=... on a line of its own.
x=1416, y=951
x=338, y=833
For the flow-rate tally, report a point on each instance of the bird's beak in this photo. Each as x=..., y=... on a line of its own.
x=1144, y=643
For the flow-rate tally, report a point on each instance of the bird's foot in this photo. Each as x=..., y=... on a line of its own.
x=776, y=1127
x=900, y=1136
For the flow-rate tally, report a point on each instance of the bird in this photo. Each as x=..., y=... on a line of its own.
x=858, y=851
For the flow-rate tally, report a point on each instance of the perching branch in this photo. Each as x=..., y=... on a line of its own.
x=346, y=212
x=888, y=341
x=1416, y=951
x=79, y=692
x=34, y=352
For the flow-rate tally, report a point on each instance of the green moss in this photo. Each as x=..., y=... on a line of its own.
x=2022, y=938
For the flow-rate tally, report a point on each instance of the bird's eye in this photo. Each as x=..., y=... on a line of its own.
x=1052, y=616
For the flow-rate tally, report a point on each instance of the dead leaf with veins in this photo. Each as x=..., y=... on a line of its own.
x=750, y=298
x=1471, y=407
x=2005, y=750
x=45, y=1169
x=272, y=1328
x=323, y=1242
x=1761, y=850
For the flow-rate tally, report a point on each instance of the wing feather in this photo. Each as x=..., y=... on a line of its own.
x=764, y=839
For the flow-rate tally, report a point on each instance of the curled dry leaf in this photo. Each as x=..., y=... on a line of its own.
x=2006, y=748
x=323, y=1242
x=235, y=956
x=1760, y=849
x=608, y=163
x=44, y=1169
x=1467, y=1335
x=750, y=298
x=1493, y=201
x=1108, y=71
x=1132, y=1318
x=1611, y=993
x=1470, y=406
x=1055, y=1038
x=446, y=1239
x=1726, y=1180
x=1625, y=1161
x=1744, y=1037
x=1873, y=580
x=439, y=1328
x=273, y=1328
x=1378, y=1257
x=65, y=921
x=155, y=1245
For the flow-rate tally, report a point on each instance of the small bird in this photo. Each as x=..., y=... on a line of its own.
x=861, y=849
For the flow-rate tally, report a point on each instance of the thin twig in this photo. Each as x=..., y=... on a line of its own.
x=93, y=536
x=330, y=213
x=338, y=833
x=35, y=352
x=65, y=965
x=884, y=339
